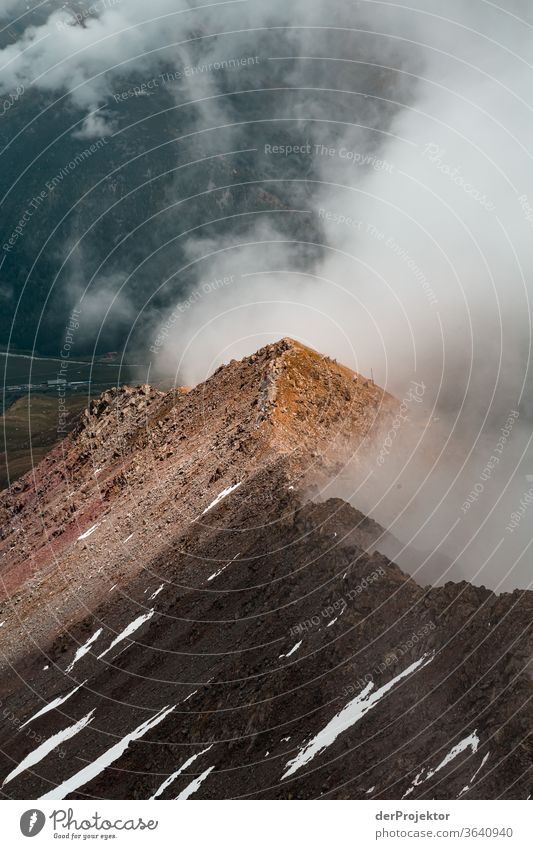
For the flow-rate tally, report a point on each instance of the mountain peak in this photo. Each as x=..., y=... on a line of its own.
x=308, y=396
x=286, y=404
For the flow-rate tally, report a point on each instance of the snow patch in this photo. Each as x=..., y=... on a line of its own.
x=348, y=716
x=110, y=756
x=220, y=497
x=478, y=770
x=168, y=781
x=194, y=785
x=469, y=742
x=216, y=574
x=156, y=593
x=52, y=705
x=89, y=532
x=82, y=651
x=186, y=699
x=48, y=746
x=294, y=648
x=128, y=630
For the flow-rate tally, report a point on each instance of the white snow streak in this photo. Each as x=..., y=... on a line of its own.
x=470, y=742
x=478, y=770
x=156, y=593
x=168, y=781
x=216, y=574
x=128, y=630
x=49, y=745
x=52, y=705
x=89, y=532
x=110, y=756
x=194, y=785
x=220, y=497
x=348, y=716
x=82, y=651
x=294, y=648
x=186, y=699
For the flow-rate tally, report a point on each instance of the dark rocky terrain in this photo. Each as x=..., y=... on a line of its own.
x=189, y=618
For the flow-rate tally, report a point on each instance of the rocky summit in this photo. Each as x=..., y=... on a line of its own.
x=184, y=615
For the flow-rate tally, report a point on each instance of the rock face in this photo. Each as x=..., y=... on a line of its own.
x=179, y=604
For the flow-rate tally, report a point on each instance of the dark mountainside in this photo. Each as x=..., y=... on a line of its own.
x=182, y=616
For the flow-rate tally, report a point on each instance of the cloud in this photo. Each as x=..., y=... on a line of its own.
x=82, y=55
x=7, y=6
x=410, y=251
x=426, y=271
x=95, y=126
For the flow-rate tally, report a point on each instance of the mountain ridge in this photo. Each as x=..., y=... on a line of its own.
x=192, y=581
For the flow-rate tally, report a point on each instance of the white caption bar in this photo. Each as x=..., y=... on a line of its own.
x=264, y=824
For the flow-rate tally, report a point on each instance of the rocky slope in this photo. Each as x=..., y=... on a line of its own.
x=184, y=616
